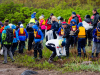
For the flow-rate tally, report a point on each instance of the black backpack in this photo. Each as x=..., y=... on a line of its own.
x=9, y=35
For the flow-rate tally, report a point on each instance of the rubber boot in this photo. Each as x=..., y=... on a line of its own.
x=97, y=55
x=92, y=56
x=79, y=55
x=85, y=55
x=51, y=58
x=89, y=43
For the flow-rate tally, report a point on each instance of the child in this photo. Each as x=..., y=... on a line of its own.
x=81, y=32
x=15, y=40
x=96, y=40
x=74, y=27
x=38, y=39
x=23, y=35
x=6, y=45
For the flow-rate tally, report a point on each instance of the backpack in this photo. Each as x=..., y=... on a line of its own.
x=9, y=35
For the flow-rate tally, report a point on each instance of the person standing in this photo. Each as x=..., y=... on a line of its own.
x=23, y=35
x=96, y=17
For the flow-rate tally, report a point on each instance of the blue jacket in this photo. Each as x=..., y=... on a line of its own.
x=22, y=38
x=59, y=31
x=39, y=33
x=73, y=20
x=33, y=15
x=55, y=26
x=15, y=40
x=95, y=36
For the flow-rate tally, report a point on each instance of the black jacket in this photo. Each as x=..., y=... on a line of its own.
x=30, y=30
x=95, y=20
x=88, y=20
x=77, y=20
x=67, y=32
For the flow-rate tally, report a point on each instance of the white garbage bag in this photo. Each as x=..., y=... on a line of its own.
x=49, y=35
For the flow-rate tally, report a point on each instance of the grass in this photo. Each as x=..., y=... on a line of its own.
x=71, y=64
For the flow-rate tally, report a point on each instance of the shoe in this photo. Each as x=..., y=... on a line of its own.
x=85, y=55
x=39, y=58
x=92, y=56
x=50, y=61
x=34, y=58
x=13, y=60
x=4, y=63
x=97, y=55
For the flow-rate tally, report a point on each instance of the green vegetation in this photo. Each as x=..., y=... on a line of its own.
x=17, y=12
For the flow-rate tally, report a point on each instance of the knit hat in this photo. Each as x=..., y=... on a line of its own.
x=74, y=13
x=21, y=25
x=61, y=19
x=1, y=23
x=87, y=16
x=63, y=43
x=80, y=24
x=51, y=14
x=64, y=23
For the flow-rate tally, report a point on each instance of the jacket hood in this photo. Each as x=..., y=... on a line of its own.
x=13, y=27
x=35, y=27
x=68, y=27
x=80, y=24
x=6, y=27
x=88, y=20
x=73, y=20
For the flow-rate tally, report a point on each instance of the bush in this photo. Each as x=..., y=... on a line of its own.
x=16, y=12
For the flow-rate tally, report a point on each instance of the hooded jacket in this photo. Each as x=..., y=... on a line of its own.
x=39, y=33
x=67, y=32
x=30, y=30
x=15, y=40
x=88, y=20
x=73, y=20
x=4, y=35
x=22, y=37
x=33, y=15
x=95, y=34
x=96, y=17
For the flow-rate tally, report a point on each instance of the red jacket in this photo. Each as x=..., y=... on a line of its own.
x=1, y=29
x=48, y=25
x=69, y=20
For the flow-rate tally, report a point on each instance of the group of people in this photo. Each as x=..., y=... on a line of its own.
x=72, y=33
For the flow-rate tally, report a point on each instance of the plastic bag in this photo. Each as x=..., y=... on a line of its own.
x=1, y=51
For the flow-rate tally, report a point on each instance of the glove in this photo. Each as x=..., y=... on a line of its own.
x=33, y=42
x=18, y=41
x=41, y=41
x=98, y=38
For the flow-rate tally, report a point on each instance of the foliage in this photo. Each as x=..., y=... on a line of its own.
x=16, y=12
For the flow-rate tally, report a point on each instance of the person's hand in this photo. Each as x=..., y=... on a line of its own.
x=52, y=29
x=90, y=24
x=33, y=42
x=18, y=41
x=41, y=41
x=98, y=38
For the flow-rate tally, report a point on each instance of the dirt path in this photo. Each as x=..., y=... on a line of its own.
x=10, y=69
